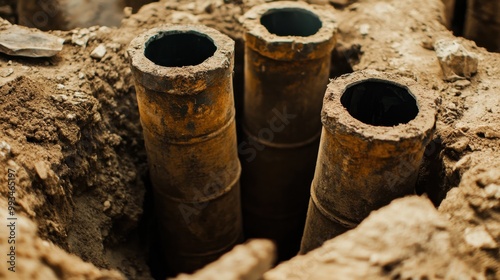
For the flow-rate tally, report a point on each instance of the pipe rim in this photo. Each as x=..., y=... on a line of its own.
x=337, y=120
x=277, y=47
x=185, y=80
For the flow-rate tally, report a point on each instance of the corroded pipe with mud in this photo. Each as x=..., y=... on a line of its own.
x=287, y=63
x=375, y=129
x=482, y=23
x=183, y=78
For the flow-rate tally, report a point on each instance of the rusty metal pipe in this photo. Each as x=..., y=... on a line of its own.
x=449, y=11
x=482, y=23
x=287, y=63
x=375, y=129
x=183, y=79
x=67, y=15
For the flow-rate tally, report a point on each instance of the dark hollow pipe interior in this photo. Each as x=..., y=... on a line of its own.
x=380, y=103
x=291, y=22
x=179, y=49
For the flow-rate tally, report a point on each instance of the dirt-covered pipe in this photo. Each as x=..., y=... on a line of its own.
x=482, y=23
x=183, y=78
x=449, y=11
x=287, y=63
x=375, y=129
x=69, y=14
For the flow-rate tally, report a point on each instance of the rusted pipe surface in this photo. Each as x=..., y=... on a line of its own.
x=183, y=77
x=287, y=64
x=482, y=23
x=449, y=11
x=375, y=129
x=69, y=14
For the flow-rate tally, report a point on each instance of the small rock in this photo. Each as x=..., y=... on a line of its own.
x=428, y=44
x=80, y=38
x=96, y=118
x=7, y=72
x=492, y=191
x=98, y=52
x=59, y=97
x=41, y=170
x=80, y=95
x=364, y=29
x=104, y=29
x=114, y=46
x=461, y=84
x=460, y=145
x=5, y=149
x=478, y=237
x=70, y=116
x=81, y=76
x=127, y=12
x=60, y=86
x=107, y=205
x=21, y=41
x=456, y=62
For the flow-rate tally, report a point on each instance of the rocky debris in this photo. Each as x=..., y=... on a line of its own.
x=364, y=29
x=20, y=41
x=456, y=61
x=80, y=37
x=478, y=237
x=427, y=248
x=473, y=209
x=6, y=72
x=38, y=259
x=49, y=178
x=461, y=84
x=98, y=52
x=5, y=149
x=247, y=261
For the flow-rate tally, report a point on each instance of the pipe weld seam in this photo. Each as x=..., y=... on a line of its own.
x=282, y=145
x=332, y=217
x=197, y=139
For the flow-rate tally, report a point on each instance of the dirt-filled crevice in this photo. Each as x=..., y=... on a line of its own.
x=75, y=137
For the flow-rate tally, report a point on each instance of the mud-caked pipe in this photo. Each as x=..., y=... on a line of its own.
x=287, y=62
x=183, y=79
x=482, y=23
x=375, y=129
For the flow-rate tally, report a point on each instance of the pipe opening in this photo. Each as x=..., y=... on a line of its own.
x=179, y=49
x=380, y=103
x=291, y=22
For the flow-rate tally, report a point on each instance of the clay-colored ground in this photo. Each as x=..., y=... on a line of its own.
x=70, y=129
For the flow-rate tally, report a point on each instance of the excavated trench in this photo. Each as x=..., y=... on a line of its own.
x=374, y=102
